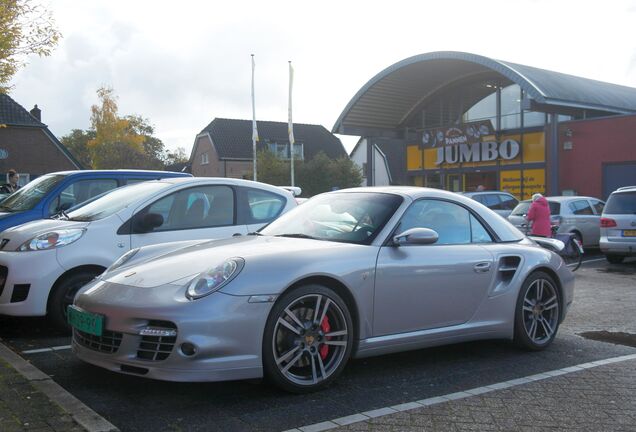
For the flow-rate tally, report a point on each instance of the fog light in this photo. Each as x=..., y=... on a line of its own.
x=154, y=331
x=188, y=349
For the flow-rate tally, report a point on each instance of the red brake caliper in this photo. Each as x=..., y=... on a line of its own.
x=326, y=328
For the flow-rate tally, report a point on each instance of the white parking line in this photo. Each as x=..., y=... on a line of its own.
x=364, y=416
x=41, y=350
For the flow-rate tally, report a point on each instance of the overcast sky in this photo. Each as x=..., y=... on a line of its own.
x=181, y=64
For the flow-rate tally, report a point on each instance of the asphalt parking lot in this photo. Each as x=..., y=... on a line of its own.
x=600, y=325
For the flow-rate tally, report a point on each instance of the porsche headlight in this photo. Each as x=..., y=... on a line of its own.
x=52, y=239
x=215, y=278
x=122, y=260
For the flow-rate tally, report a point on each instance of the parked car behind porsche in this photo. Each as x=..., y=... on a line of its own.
x=579, y=215
x=44, y=263
x=618, y=225
x=352, y=273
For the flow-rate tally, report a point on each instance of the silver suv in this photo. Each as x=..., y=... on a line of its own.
x=618, y=225
x=579, y=215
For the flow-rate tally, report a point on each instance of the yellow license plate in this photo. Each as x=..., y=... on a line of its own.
x=629, y=233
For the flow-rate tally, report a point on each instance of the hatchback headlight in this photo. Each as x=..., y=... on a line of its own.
x=52, y=239
x=215, y=278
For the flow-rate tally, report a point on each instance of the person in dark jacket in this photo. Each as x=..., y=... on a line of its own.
x=12, y=186
x=539, y=216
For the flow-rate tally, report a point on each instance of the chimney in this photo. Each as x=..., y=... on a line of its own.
x=37, y=113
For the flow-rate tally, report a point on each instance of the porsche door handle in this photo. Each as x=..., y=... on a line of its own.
x=482, y=267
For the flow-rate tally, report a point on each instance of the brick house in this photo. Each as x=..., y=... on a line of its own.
x=224, y=147
x=27, y=145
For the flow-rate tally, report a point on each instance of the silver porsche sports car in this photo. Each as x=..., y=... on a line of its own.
x=353, y=273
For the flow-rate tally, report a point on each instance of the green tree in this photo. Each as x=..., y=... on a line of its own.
x=174, y=157
x=77, y=143
x=272, y=170
x=322, y=174
x=25, y=28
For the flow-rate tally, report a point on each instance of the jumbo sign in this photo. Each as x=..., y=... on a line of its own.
x=477, y=152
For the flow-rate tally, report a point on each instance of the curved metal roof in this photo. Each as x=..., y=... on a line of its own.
x=390, y=96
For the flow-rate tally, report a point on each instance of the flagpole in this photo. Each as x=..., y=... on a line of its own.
x=254, y=129
x=290, y=128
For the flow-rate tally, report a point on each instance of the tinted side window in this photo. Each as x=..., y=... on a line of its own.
x=492, y=201
x=508, y=202
x=450, y=221
x=581, y=207
x=621, y=203
x=80, y=191
x=555, y=208
x=598, y=206
x=198, y=207
x=264, y=206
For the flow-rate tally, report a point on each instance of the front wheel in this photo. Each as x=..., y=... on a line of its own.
x=63, y=296
x=537, y=312
x=308, y=339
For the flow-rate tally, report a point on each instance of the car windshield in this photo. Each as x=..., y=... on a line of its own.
x=114, y=201
x=621, y=203
x=31, y=194
x=355, y=217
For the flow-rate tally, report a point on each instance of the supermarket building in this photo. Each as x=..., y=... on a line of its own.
x=462, y=120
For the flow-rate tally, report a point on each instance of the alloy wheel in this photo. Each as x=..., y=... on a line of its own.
x=310, y=339
x=541, y=311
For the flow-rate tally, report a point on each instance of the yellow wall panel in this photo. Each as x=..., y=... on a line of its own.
x=413, y=158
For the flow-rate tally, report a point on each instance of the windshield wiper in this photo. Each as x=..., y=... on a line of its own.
x=254, y=233
x=5, y=208
x=297, y=235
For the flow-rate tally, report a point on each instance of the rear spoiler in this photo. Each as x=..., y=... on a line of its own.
x=549, y=243
x=295, y=190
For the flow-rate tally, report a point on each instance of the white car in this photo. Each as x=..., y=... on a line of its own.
x=44, y=263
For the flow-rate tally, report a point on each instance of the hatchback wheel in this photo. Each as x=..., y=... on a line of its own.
x=63, y=296
x=308, y=339
x=537, y=314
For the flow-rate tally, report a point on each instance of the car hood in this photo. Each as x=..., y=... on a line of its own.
x=22, y=233
x=184, y=264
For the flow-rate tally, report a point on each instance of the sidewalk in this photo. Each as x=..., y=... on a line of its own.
x=23, y=408
x=595, y=398
x=31, y=401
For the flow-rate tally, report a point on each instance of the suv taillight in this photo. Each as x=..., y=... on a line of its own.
x=607, y=223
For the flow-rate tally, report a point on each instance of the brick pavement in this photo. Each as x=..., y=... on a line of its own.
x=23, y=408
x=597, y=399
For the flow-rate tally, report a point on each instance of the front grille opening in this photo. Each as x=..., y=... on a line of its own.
x=4, y=272
x=20, y=292
x=107, y=343
x=133, y=370
x=157, y=348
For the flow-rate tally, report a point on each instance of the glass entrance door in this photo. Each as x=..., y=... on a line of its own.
x=454, y=183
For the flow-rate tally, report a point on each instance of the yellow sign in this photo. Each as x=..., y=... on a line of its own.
x=533, y=182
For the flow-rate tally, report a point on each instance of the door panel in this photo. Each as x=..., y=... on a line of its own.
x=419, y=287
x=424, y=287
x=197, y=213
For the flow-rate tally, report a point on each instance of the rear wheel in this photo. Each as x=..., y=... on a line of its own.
x=614, y=259
x=308, y=339
x=537, y=313
x=64, y=294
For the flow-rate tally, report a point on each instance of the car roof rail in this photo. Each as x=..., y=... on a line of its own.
x=625, y=188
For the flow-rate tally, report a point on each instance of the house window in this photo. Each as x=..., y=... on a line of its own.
x=204, y=159
x=281, y=150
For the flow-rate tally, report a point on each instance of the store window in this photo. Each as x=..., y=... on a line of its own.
x=485, y=109
x=511, y=107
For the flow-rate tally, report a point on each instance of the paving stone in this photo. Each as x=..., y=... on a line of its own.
x=601, y=398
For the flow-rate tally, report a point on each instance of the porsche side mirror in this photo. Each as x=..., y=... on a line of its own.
x=416, y=236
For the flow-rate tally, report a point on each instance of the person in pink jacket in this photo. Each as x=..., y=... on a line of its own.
x=539, y=216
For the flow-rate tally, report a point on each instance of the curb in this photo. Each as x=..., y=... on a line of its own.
x=82, y=414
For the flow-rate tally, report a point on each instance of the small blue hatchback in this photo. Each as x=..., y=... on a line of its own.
x=55, y=192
